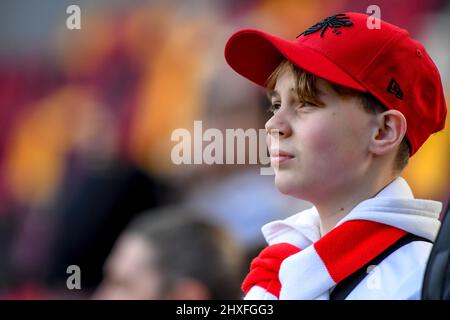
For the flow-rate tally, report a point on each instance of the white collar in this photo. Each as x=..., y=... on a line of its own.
x=398, y=188
x=393, y=205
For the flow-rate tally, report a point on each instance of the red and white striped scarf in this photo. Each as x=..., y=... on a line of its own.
x=285, y=271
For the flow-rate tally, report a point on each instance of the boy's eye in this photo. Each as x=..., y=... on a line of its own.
x=306, y=104
x=274, y=107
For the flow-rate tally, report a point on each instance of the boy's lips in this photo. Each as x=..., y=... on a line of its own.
x=278, y=157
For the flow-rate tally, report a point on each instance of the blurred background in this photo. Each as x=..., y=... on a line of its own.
x=86, y=118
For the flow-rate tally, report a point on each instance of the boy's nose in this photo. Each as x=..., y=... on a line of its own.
x=276, y=125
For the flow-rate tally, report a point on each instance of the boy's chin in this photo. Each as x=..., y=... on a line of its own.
x=289, y=186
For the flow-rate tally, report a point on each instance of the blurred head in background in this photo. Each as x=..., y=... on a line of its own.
x=171, y=254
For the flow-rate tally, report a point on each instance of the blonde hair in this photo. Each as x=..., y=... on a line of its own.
x=305, y=83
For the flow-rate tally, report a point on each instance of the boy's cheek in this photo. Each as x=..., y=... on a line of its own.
x=328, y=135
x=320, y=139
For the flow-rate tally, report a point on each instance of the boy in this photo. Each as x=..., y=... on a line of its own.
x=350, y=106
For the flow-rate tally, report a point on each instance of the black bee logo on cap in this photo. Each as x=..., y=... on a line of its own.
x=336, y=21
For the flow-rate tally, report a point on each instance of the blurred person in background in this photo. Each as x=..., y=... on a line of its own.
x=170, y=253
x=68, y=163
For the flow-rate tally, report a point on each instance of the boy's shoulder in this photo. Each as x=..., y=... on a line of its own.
x=398, y=277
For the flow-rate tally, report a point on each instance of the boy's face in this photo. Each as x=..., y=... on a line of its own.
x=323, y=149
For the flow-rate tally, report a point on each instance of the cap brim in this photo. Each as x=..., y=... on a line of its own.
x=255, y=55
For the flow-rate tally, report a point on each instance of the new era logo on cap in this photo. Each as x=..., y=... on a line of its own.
x=394, y=88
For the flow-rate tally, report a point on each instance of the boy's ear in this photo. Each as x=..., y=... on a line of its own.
x=389, y=130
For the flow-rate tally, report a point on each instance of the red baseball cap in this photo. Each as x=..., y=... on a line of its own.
x=343, y=49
